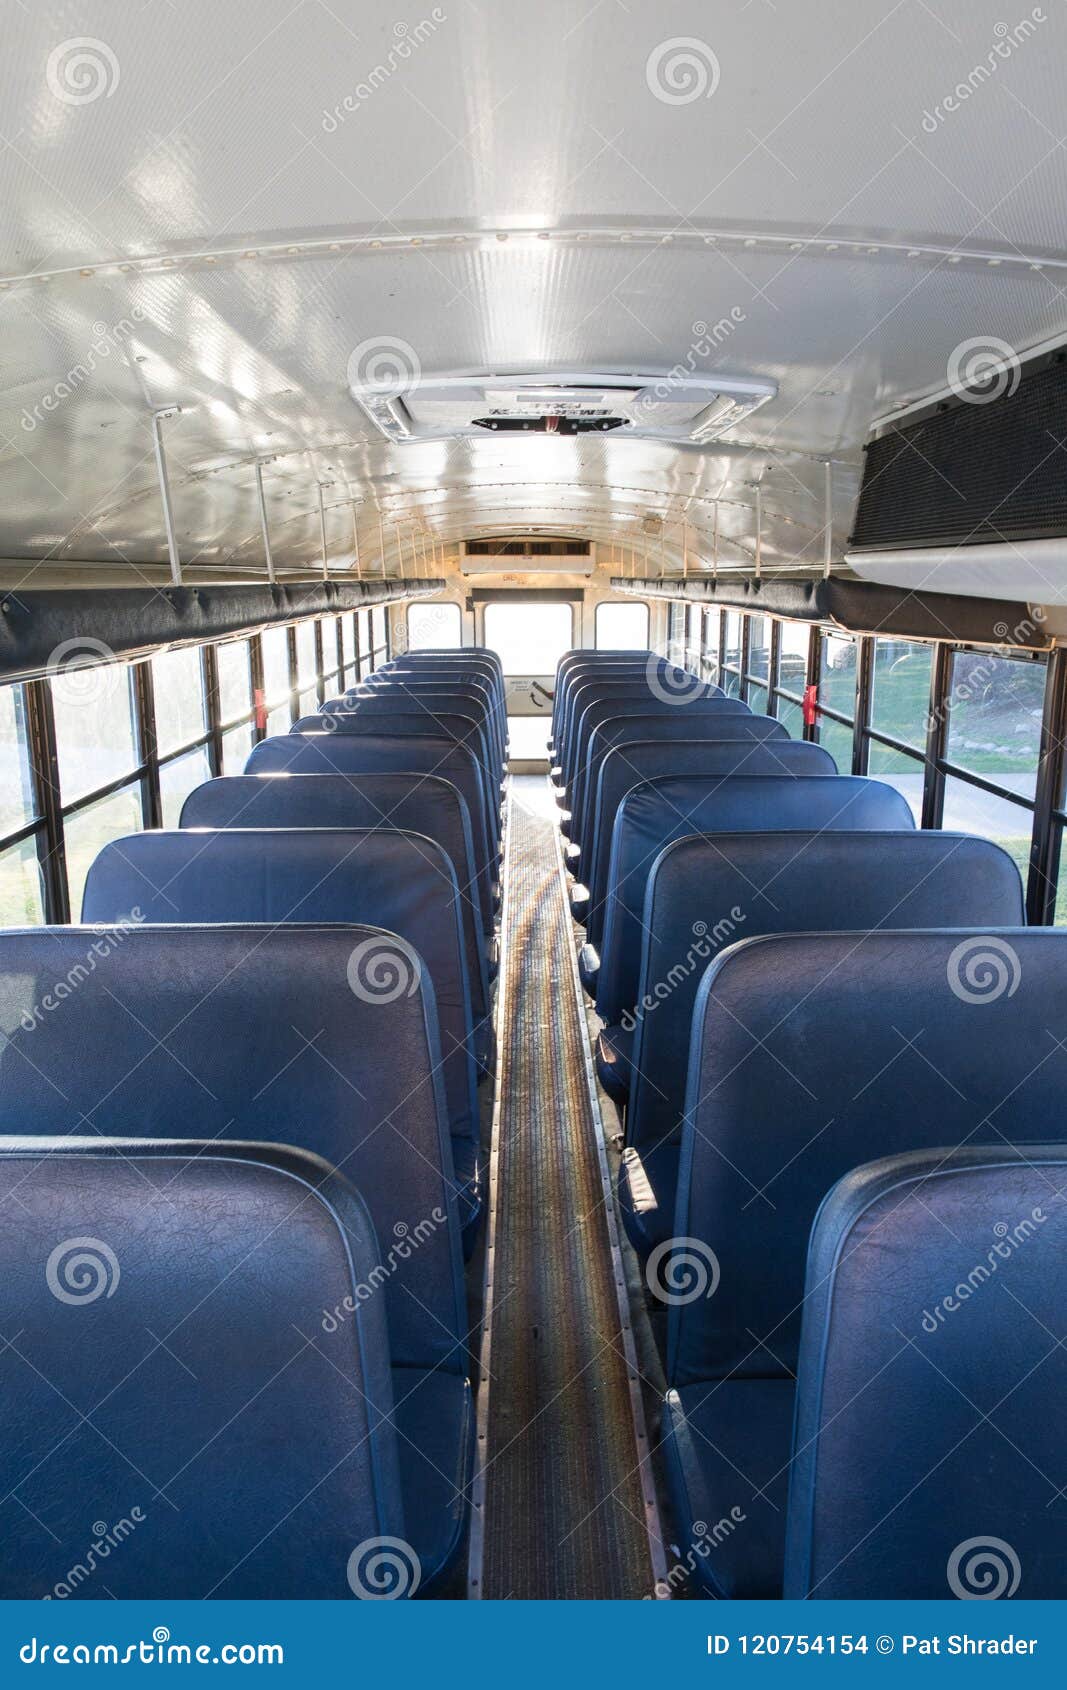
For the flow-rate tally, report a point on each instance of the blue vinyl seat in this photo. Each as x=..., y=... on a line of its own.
x=734, y=745
x=925, y=1446
x=256, y=1033
x=383, y=720
x=352, y=754
x=594, y=701
x=659, y=811
x=419, y=804
x=707, y=892
x=629, y=678
x=402, y=882
x=175, y=1373
x=566, y=673
x=412, y=692
x=812, y=1054
x=626, y=767
x=614, y=712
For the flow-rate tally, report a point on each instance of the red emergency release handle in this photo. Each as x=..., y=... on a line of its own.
x=259, y=699
x=811, y=706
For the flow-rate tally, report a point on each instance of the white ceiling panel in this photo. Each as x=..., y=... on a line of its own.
x=217, y=207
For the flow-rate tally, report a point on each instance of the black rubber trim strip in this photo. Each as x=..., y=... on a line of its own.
x=858, y=607
x=131, y=621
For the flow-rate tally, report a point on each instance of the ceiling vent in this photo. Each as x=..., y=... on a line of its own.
x=565, y=556
x=690, y=410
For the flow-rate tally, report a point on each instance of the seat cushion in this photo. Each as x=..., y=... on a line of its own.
x=588, y=965
x=727, y=1443
x=648, y=1187
x=614, y=1047
x=434, y=1419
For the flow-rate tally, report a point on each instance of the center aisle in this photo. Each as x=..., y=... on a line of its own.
x=567, y=1505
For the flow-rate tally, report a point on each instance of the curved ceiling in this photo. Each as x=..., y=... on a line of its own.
x=213, y=209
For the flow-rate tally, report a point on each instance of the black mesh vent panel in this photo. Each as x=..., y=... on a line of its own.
x=973, y=471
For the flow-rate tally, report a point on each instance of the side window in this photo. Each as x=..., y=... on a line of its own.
x=622, y=626
x=434, y=625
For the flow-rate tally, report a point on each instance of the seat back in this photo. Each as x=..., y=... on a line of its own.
x=401, y=882
x=248, y=1032
x=935, y=1294
x=418, y=699
x=373, y=718
x=708, y=892
x=612, y=759
x=352, y=754
x=655, y=713
x=567, y=669
x=423, y=690
x=419, y=804
x=813, y=1053
x=659, y=811
x=648, y=693
x=634, y=668
x=168, y=1344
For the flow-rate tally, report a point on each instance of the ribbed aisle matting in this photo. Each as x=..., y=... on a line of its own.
x=565, y=1509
